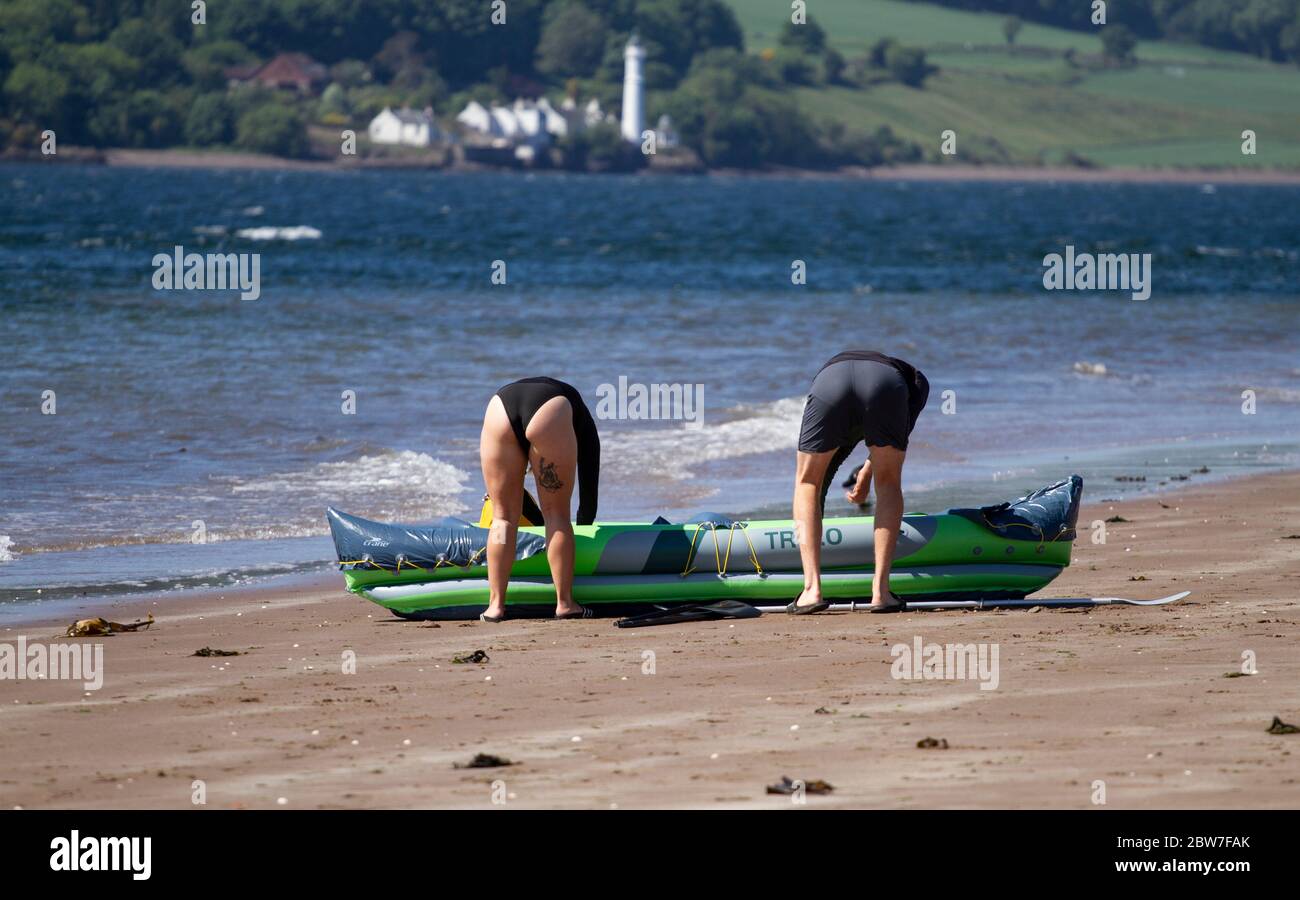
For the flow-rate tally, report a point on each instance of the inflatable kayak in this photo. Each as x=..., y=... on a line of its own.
x=439, y=571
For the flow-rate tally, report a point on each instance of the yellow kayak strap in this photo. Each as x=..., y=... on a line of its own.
x=721, y=560
x=485, y=517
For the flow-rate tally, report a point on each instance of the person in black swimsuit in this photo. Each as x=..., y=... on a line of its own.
x=543, y=424
x=859, y=396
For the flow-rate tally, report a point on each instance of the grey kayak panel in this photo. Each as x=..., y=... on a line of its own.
x=1047, y=514
x=449, y=542
x=669, y=552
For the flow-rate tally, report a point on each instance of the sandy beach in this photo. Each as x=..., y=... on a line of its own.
x=1137, y=698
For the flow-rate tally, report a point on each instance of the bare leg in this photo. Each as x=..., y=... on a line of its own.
x=503, y=464
x=554, y=460
x=810, y=470
x=887, y=472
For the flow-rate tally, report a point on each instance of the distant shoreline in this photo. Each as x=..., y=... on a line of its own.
x=190, y=159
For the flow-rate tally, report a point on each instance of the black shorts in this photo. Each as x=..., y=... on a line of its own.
x=858, y=401
x=854, y=401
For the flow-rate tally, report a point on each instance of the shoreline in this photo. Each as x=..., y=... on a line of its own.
x=1134, y=697
x=186, y=159
x=24, y=612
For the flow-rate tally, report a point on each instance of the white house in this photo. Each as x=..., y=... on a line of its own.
x=477, y=117
x=527, y=122
x=530, y=127
x=406, y=127
x=556, y=121
x=594, y=115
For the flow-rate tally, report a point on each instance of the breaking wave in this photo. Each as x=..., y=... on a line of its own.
x=672, y=452
x=280, y=233
x=390, y=482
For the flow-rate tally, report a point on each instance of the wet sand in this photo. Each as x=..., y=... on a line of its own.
x=1135, y=698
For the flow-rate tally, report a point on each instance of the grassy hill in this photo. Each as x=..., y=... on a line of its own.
x=1181, y=105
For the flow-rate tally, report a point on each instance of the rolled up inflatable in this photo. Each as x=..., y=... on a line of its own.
x=439, y=571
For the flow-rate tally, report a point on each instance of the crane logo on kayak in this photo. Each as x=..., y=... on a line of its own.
x=634, y=400
x=181, y=271
x=923, y=661
x=1098, y=272
x=91, y=854
x=55, y=662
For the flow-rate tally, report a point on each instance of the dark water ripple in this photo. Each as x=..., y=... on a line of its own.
x=182, y=406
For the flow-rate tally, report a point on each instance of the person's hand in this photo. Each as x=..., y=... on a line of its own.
x=857, y=495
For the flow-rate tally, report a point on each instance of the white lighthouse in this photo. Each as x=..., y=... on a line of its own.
x=633, y=91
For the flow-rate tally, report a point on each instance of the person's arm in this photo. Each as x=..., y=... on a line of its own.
x=917, y=395
x=588, y=466
x=862, y=487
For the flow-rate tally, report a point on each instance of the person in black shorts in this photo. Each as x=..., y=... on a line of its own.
x=543, y=424
x=859, y=396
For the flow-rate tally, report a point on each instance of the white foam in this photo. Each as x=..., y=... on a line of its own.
x=7, y=553
x=237, y=532
x=280, y=233
x=672, y=452
x=410, y=477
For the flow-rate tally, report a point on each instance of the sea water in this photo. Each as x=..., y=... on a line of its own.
x=155, y=440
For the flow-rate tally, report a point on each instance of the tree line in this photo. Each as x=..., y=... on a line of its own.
x=141, y=73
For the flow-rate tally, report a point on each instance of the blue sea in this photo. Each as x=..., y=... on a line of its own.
x=156, y=441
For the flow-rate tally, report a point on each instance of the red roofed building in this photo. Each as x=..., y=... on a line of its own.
x=287, y=71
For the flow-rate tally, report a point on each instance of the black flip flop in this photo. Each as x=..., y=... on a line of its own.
x=795, y=609
x=495, y=620
x=894, y=604
x=722, y=609
x=584, y=614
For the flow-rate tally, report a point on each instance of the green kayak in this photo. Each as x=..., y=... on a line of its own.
x=438, y=571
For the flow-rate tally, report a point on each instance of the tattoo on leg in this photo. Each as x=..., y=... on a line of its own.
x=546, y=477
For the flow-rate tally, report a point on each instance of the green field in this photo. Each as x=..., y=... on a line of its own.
x=1182, y=105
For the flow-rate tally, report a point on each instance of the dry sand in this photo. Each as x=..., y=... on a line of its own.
x=1136, y=698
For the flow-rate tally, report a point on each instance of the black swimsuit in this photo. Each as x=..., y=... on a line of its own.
x=523, y=398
